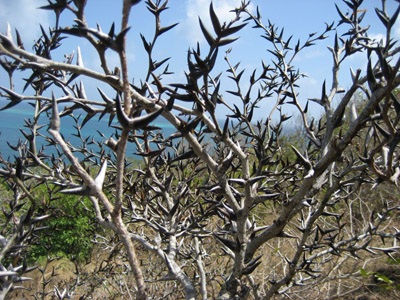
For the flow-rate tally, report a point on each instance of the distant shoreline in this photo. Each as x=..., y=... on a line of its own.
x=12, y=121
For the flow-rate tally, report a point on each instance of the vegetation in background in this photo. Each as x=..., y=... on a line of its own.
x=69, y=231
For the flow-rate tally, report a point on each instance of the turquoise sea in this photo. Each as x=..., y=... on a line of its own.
x=12, y=120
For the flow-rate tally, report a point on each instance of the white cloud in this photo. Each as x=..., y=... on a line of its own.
x=25, y=16
x=200, y=8
x=396, y=29
x=310, y=54
x=379, y=38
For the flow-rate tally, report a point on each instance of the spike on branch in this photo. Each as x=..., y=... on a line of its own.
x=135, y=122
x=55, y=118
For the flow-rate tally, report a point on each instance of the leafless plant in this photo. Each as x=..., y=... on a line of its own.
x=200, y=194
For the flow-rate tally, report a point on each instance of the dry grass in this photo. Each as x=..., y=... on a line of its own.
x=334, y=281
x=105, y=277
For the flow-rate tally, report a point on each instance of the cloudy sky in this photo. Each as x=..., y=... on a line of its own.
x=299, y=18
x=24, y=15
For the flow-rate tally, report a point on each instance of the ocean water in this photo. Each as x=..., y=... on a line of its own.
x=13, y=120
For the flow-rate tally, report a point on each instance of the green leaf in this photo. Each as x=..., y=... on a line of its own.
x=225, y=130
x=363, y=273
x=239, y=76
x=349, y=4
x=156, y=65
x=234, y=93
x=214, y=19
x=323, y=97
x=386, y=68
x=344, y=18
x=276, y=53
x=383, y=278
x=383, y=17
x=226, y=41
x=250, y=115
x=207, y=34
x=296, y=49
x=213, y=59
x=394, y=17
x=165, y=29
x=336, y=44
x=199, y=61
x=232, y=30
x=147, y=45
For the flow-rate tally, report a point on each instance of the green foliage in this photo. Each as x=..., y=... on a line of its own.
x=394, y=261
x=364, y=273
x=69, y=232
x=382, y=279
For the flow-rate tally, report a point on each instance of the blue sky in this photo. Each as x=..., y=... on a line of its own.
x=299, y=18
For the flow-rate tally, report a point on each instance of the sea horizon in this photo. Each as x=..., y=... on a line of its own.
x=12, y=121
